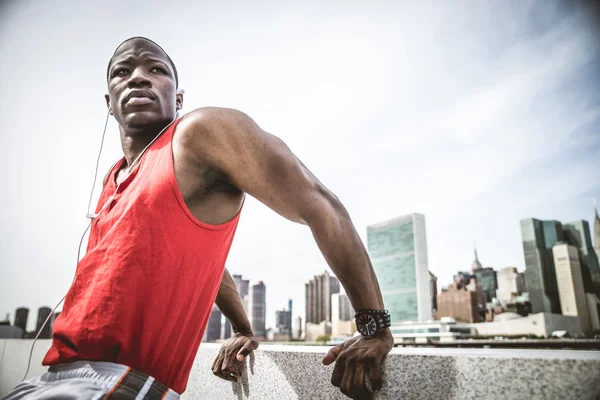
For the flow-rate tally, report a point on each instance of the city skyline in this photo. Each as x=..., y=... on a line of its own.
x=396, y=107
x=270, y=323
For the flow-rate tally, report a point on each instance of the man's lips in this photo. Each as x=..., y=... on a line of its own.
x=137, y=101
x=139, y=97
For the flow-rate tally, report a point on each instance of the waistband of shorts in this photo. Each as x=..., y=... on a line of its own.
x=113, y=376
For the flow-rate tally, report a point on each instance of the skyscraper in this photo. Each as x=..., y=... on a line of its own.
x=43, y=314
x=242, y=287
x=538, y=239
x=258, y=308
x=577, y=234
x=283, y=322
x=573, y=300
x=21, y=315
x=318, y=293
x=398, y=251
x=213, y=329
x=508, y=284
x=486, y=278
x=596, y=232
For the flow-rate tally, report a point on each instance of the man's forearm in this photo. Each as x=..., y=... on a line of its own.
x=229, y=302
x=345, y=253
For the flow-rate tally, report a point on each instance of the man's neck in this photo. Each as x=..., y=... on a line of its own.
x=134, y=141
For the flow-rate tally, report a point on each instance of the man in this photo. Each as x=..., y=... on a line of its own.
x=140, y=302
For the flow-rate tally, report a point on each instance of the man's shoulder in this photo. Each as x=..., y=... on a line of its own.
x=214, y=126
x=213, y=118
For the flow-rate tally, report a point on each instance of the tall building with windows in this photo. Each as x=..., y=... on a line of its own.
x=573, y=301
x=258, y=308
x=318, y=293
x=578, y=234
x=486, y=278
x=283, y=322
x=398, y=251
x=538, y=239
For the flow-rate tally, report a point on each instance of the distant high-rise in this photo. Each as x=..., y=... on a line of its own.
x=573, y=300
x=509, y=286
x=486, y=278
x=538, y=239
x=242, y=287
x=596, y=232
x=283, y=322
x=43, y=314
x=433, y=291
x=213, y=329
x=258, y=308
x=341, y=308
x=398, y=251
x=577, y=233
x=21, y=315
x=318, y=293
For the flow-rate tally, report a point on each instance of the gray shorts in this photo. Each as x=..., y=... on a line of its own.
x=92, y=380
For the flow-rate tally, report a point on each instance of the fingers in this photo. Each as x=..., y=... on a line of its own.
x=375, y=375
x=332, y=355
x=249, y=346
x=230, y=369
x=348, y=379
x=338, y=372
x=359, y=389
x=217, y=367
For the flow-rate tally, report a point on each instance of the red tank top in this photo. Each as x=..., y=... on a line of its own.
x=143, y=293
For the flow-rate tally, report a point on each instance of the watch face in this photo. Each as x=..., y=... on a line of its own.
x=366, y=325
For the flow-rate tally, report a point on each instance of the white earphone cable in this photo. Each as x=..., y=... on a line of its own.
x=78, y=251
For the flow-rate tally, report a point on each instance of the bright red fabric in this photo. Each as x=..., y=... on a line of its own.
x=143, y=293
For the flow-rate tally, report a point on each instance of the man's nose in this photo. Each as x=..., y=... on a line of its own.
x=139, y=78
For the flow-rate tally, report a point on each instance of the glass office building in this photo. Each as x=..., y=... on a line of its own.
x=398, y=251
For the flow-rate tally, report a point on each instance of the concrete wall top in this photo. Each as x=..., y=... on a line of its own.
x=296, y=372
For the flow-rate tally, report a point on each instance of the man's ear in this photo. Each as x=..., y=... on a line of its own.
x=179, y=99
x=107, y=98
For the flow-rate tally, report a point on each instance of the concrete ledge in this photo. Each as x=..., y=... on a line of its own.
x=295, y=372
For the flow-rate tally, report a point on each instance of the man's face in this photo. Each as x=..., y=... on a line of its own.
x=141, y=85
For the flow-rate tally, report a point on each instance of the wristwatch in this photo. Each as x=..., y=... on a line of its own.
x=369, y=322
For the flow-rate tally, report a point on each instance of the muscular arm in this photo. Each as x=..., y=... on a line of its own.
x=229, y=302
x=261, y=165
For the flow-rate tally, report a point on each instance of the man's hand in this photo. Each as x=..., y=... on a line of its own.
x=229, y=361
x=354, y=359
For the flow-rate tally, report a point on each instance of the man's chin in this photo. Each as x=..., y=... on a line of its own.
x=141, y=119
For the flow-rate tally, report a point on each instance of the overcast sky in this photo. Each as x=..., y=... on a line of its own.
x=476, y=114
